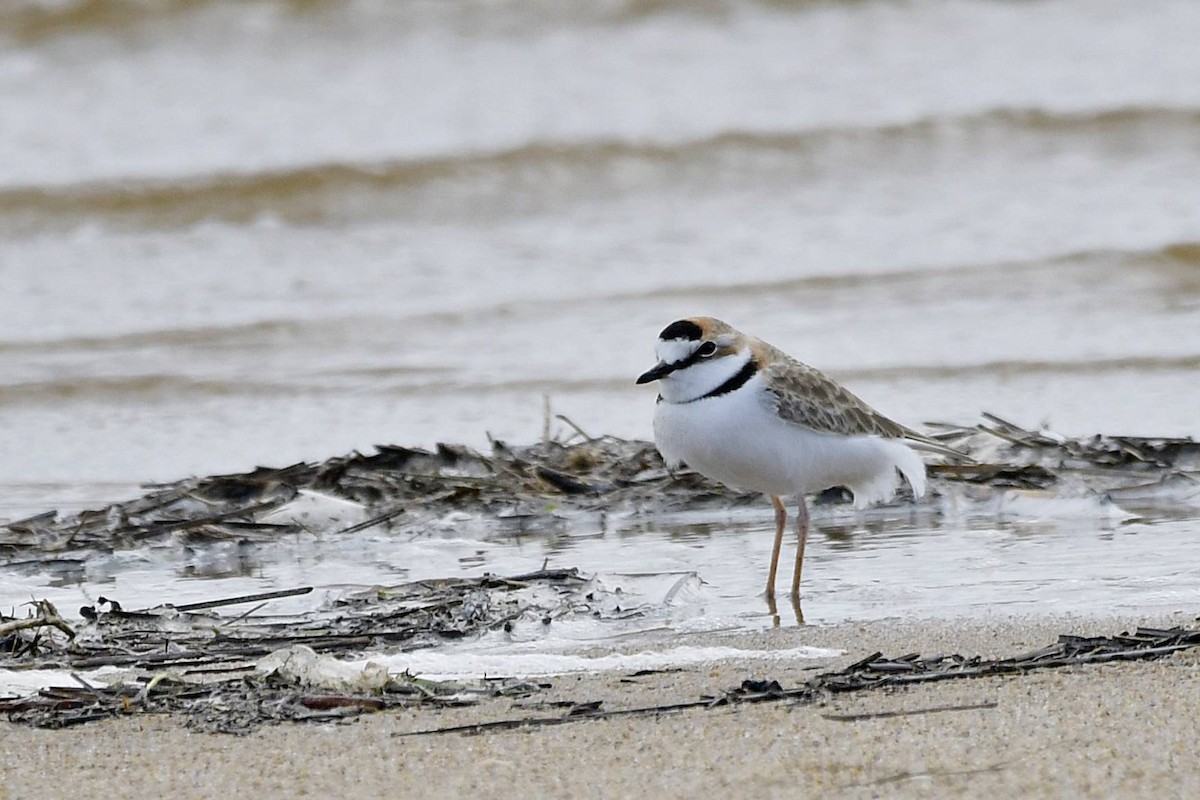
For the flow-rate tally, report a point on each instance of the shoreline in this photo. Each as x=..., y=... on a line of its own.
x=1095, y=730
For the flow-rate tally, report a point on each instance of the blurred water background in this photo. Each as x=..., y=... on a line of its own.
x=242, y=232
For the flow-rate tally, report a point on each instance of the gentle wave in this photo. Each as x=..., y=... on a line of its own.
x=202, y=336
x=332, y=192
x=301, y=333
x=144, y=388
x=1018, y=367
x=1185, y=255
x=235, y=335
x=166, y=386
x=125, y=386
x=34, y=20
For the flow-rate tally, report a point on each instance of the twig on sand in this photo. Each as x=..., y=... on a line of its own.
x=912, y=712
x=908, y=776
x=573, y=715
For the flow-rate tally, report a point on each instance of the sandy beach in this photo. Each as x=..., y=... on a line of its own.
x=1113, y=730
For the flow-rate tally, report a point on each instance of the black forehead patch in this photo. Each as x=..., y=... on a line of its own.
x=682, y=329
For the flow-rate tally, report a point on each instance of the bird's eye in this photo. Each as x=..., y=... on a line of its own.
x=707, y=349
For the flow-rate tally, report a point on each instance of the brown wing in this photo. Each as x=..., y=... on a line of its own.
x=805, y=396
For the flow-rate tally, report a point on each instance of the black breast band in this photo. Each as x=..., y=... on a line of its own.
x=734, y=383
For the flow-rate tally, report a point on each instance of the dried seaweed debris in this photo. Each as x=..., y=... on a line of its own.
x=188, y=660
x=409, y=489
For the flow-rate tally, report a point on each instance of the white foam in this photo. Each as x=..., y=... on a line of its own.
x=459, y=666
x=23, y=682
x=434, y=665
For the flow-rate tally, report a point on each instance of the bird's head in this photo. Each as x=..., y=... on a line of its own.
x=696, y=355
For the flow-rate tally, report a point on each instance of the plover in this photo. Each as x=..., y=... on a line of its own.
x=739, y=411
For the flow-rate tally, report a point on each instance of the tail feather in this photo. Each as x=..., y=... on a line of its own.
x=881, y=487
x=912, y=468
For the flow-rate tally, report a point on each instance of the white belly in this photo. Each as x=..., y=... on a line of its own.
x=737, y=439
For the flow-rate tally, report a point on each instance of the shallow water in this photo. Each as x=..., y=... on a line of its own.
x=704, y=571
x=239, y=234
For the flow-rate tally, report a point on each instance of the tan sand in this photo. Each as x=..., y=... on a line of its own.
x=1122, y=730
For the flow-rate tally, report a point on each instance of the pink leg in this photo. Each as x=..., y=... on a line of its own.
x=780, y=521
x=802, y=532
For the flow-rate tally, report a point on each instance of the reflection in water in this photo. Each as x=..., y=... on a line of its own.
x=773, y=609
x=222, y=560
x=694, y=572
x=57, y=571
x=473, y=560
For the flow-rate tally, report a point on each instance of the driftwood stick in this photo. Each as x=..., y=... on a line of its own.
x=372, y=522
x=247, y=598
x=47, y=615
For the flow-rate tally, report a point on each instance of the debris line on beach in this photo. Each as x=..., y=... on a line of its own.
x=877, y=672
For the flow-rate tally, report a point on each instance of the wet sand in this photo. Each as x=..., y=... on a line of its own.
x=1093, y=731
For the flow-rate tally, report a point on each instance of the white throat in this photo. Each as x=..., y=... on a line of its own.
x=693, y=382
